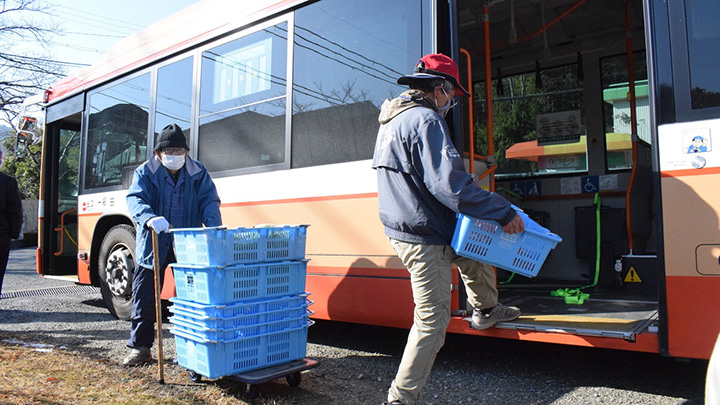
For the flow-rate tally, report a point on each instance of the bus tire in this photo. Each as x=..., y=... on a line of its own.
x=116, y=266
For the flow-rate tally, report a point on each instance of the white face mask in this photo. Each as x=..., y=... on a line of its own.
x=173, y=162
x=444, y=109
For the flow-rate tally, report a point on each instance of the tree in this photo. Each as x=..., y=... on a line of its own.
x=514, y=111
x=26, y=171
x=26, y=69
x=25, y=72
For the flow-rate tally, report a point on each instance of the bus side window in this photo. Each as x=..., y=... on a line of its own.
x=243, y=94
x=117, y=132
x=704, y=52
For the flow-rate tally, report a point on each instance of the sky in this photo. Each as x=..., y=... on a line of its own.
x=91, y=27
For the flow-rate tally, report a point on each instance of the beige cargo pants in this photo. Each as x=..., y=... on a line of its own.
x=431, y=278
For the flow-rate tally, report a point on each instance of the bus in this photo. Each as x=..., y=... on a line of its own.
x=597, y=118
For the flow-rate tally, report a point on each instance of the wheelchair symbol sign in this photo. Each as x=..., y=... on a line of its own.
x=518, y=188
x=526, y=188
x=590, y=184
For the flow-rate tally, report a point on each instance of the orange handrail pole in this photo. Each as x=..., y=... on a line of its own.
x=471, y=113
x=541, y=29
x=62, y=226
x=490, y=170
x=551, y=23
x=633, y=122
x=488, y=89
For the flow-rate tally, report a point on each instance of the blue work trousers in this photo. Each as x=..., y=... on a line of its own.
x=142, y=317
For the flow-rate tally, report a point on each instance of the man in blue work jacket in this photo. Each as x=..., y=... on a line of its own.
x=169, y=189
x=422, y=183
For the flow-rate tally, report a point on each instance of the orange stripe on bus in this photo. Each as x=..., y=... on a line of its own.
x=693, y=318
x=644, y=342
x=362, y=300
x=285, y=201
x=304, y=199
x=690, y=172
x=91, y=214
x=358, y=272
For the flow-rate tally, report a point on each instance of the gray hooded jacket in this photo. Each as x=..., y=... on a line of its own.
x=422, y=180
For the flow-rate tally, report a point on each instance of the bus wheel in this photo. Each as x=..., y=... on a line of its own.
x=116, y=266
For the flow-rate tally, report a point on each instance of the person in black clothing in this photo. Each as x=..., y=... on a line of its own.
x=11, y=218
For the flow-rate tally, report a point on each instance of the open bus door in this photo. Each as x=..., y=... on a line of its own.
x=58, y=225
x=560, y=94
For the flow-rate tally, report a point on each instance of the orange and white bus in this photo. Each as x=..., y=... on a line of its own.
x=572, y=99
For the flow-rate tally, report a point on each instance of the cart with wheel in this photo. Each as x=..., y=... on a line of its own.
x=237, y=315
x=252, y=380
x=252, y=354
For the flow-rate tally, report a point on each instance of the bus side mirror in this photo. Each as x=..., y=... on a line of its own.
x=21, y=144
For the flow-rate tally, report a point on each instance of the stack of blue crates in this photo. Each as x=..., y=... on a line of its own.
x=241, y=303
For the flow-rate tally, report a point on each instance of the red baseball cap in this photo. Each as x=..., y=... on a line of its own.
x=435, y=66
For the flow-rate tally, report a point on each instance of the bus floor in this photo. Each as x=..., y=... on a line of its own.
x=607, y=312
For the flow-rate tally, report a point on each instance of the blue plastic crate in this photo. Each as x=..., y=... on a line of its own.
x=215, y=359
x=242, y=314
x=238, y=327
x=242, y=308
x=485, y=241
x=246, y=282
x=220, y=246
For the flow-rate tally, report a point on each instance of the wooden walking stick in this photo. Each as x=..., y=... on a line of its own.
x=158, y=306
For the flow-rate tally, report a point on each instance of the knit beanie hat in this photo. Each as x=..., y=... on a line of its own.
x=171, y=137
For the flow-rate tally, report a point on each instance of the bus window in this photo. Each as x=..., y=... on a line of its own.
x=117, y=133
x=616, y=108
x=348, y=56
x=174, y=95
x=242, y=102
x=551, y=100
x=703, y=51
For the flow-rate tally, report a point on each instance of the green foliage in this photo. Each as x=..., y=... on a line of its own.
x=26, y=171
x=515, y=110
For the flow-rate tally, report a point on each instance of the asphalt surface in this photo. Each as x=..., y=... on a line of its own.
x=357, y=363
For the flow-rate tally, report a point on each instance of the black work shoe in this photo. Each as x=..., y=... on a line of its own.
x=137, y=357
x=500, y=313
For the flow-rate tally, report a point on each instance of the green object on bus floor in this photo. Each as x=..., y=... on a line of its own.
x=571, y=295
x=575, y=296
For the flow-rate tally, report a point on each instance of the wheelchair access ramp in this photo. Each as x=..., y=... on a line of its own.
x=611, y=318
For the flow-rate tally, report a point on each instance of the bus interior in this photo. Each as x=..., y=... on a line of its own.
x=559, y=78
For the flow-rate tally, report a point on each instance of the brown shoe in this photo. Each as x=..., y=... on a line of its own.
x=137, y=357
x=499, y=313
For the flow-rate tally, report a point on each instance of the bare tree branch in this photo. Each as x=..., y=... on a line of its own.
x=24, y=72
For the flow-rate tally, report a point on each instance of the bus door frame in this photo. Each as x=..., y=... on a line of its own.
x=56, y=120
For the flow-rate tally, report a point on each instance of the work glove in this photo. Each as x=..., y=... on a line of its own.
x=158, y=224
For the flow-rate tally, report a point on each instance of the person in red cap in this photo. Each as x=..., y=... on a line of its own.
x=422, y=184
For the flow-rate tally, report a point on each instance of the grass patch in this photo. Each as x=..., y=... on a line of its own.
x=42, y=374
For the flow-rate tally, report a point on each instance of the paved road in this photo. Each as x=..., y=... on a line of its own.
x=358, y=362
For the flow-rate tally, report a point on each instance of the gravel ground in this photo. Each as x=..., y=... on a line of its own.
x=357, y=363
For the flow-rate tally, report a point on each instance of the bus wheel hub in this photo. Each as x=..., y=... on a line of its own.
x=118, y=270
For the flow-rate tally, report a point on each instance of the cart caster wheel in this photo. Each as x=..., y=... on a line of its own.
x=252, y=391
x=195, y=377
x=294, y=379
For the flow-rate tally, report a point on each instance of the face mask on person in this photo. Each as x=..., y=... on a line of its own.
x=173, y=162
x=444, y=109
